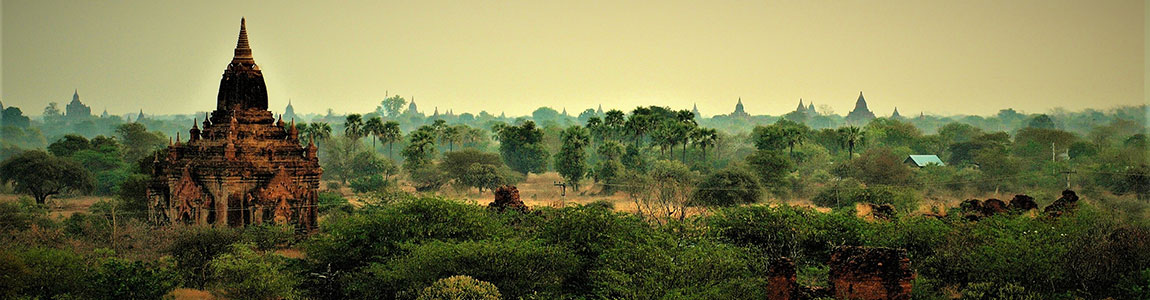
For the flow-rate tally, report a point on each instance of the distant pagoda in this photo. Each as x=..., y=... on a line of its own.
x=861, y=114
x=244, y=167
x=76, y=110
x=739, y=112
x=289, y=112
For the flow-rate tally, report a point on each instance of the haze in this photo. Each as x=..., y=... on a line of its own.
x=944, y=57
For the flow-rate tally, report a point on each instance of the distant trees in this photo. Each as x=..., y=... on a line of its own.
x=784, y=134
x=851, y=137
x=521, y=147
x=42, y=175
x=571, y=161
x=374, y=128
x=390, y=134
x=353, y=127
x=393, y=106
x=420, y=148
x=138, y=141
x=316, y=132
x=728, y=187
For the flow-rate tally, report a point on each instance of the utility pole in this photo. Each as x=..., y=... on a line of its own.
x=563, y=186
x=1068, y=172
x=1052, y=155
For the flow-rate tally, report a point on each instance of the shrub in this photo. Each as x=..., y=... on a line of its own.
x=268, y=236
x=194, y=246
x=243, y=273
x=122, y=279
x=369, y=183
x=802, y=234
x=374, y=234
x=663, y=268
x=460, y=287
x=728, y=187
x=519, y=268
x=849, y=192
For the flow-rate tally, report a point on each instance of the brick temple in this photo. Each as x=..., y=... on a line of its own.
x=244, y=166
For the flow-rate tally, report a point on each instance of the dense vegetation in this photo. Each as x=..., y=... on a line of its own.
x=706, y=200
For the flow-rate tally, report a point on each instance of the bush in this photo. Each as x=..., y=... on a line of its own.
x=997, y=291
x=122, y=279
x=375, y=234
x=330, y=202
x=802, y=234
x=268, y=236
x=519, y=268
x=242, y=273
x=849, y=192
x=728, y=187
x=460, y=287
x=369, y=183
x=193, y=247
x=428, y=178
x=663, y=268
x=20, y=215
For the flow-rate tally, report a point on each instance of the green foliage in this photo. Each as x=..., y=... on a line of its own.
x=847, y=193
x=42, y=175
x=378, y=233
x=45, y=273
x=194, y=247
x=20, y=215
x=997, y=291
x=802, y=234
x=243, y=273
x=519, y=268
x=483, y=176
x=329, y=202
x=369, y=183
x=660, y=268
x=69, y=144
x=428, y=178
x=138, y=141
x=728, y=187
x=115, y=278
x=521, y=147
x=268, y=236
x=571, y=161
x=420, y=149
x=460, y=287
x=772, y=168
x=880, y=166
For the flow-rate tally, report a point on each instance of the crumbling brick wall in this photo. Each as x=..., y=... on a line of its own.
x=870, y=273
x=781, y=282
x=507, y=197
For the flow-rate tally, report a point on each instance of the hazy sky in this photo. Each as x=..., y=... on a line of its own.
x=946, y=57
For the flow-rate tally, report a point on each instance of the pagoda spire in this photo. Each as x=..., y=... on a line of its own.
x=243, y=53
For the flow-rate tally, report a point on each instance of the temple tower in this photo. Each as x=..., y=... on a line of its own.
x=243, y=166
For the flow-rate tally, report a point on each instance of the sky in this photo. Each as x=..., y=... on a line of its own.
x=938, y=57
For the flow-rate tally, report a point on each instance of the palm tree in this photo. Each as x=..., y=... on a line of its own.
x=793, y=135
x=450, y=135
x=353, y=126
x=687, y=120
x=317, y=131
x=851, y=136
x=704, y=138
x=391, y=134
x=374, y=128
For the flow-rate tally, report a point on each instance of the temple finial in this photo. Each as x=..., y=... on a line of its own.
x=243, y=53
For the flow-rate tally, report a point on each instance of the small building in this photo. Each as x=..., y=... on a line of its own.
x=920, y=161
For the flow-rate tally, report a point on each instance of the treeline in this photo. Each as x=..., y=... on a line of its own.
x=403, y=247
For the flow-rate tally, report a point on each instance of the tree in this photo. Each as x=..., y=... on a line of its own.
x=881, y=166
x=393, y=105
x=482, y=176
x=12, y=116
x=420, y=148
x=69, y=144
x=353, y=127
x=784, y=134
x=1041, y=121
x=391, y=134
x=317, y=131
x=851, y=138
x=521, y=147
x=728, y=187
x=373, y=127
x=138, y=141
x=451, y=134
x=705, y=138
x=663, y=193
x=571, y=161
x=460, y=287
x=52, y=113
x=610, y=167
x=243, y=273
x=771, y=166
x=42, y=175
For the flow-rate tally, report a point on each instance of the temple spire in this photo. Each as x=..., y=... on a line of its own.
x=243, y=53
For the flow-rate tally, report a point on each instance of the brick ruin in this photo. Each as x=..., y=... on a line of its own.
x=244, y=167
x=507, y=197
x=870, y=273
x=974, y=209
x=865, y=273
x=1065, y=204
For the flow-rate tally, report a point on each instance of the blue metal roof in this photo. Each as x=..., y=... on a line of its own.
x=923, y=160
